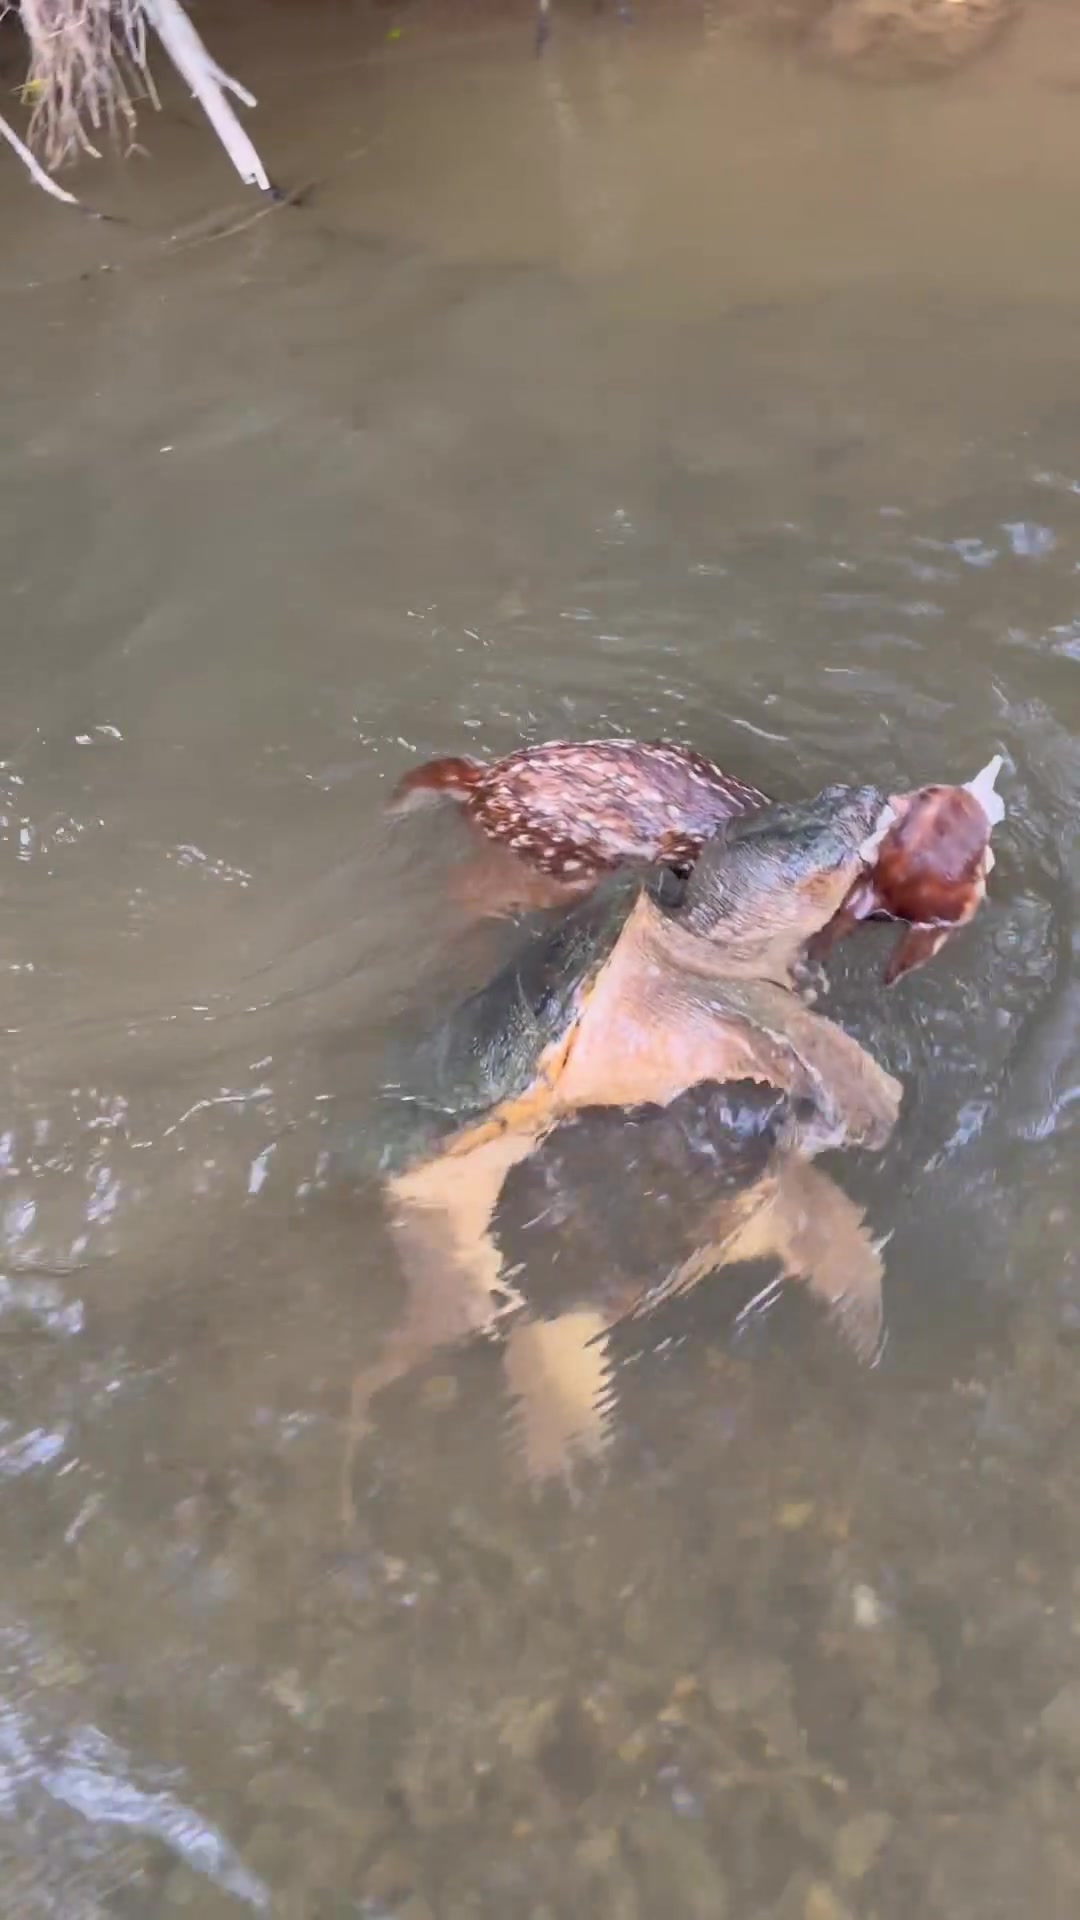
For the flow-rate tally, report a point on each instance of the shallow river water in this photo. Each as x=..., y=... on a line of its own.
x=664, y=386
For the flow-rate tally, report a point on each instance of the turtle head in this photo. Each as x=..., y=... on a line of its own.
x=771, y=880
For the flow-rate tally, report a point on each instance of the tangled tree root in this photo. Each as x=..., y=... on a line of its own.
x=89, y=65
x=89, y=62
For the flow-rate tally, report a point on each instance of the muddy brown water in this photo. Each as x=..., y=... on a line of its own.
x=660, y=387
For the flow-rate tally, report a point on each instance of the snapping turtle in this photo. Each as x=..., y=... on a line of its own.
x=631, y=1004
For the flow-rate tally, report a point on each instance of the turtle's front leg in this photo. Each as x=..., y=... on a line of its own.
x=442, y=1216
x=448, y=1300
x=809, y=978
x=558, y=1373
x=803, y=1222
x=819, y=1237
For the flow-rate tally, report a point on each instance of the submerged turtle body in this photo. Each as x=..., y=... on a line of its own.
x=628, y=1005
x=488, y=1052
x=628, y=1001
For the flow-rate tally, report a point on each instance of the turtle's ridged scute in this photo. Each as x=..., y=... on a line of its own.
x=558, y=1229
x=486, y=1051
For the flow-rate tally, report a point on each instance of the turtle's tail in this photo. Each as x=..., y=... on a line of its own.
x=452, y=776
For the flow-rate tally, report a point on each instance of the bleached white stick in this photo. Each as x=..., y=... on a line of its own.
x=36, y=171
x=208, y=83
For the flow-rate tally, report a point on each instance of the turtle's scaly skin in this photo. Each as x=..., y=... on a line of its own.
x=487, y=1053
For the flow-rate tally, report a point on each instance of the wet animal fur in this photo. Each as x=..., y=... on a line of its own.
x=573, y=809
x=930, y=872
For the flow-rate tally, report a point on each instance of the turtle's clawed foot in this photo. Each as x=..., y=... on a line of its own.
x=809, y=978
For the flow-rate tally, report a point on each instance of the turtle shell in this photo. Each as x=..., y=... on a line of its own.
x=486, y=1050
x=570, y=1219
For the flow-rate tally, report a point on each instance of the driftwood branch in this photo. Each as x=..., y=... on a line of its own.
x=209, y=83
x=88, y=66
x=34, y=168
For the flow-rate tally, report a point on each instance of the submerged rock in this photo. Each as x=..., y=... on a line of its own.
x=882, y=39
x=823, y=1904
x=744, y=1684
x=677, y=1869
x=858, y=1844
x=892, y=38
x=1060, y=1725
